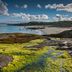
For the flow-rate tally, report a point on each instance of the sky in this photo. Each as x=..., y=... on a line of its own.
x=17, y=11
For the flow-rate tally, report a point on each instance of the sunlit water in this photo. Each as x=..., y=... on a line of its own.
x=18, y=29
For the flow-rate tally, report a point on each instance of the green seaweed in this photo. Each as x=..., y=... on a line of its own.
x=46, y=59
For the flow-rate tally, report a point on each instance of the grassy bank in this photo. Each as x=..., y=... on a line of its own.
x=64, y=34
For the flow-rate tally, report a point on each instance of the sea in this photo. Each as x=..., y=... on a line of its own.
x=4, y=28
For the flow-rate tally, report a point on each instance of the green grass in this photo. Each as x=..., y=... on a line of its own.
x=29, y=60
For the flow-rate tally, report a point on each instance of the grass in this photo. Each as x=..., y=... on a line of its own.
x=46, y=59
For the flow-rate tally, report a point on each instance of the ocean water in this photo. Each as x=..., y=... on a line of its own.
x=18, y=29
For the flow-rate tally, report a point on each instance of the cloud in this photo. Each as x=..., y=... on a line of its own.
x=16, y=15
x=60, y=7
x=3, y=9
x=24, y=6
x=39, y=6
x=29, y=17
x=60, y=17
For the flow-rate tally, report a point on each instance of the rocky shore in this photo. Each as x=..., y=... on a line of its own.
x=29, y=52
x=17, y=37
x=60, y=43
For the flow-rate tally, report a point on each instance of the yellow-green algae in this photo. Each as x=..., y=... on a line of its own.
x=28, y=60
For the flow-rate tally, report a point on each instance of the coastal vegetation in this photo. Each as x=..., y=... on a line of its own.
x=50, y=24
x=27, y=53
x=64, y=34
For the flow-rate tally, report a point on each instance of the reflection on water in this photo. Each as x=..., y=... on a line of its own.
x=18, y=29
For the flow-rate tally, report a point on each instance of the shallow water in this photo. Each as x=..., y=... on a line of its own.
x=41, y=62
x=17, y=29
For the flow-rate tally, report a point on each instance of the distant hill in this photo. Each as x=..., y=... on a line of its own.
x=51, y=24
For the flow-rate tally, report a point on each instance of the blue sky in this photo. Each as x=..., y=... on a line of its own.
x=35, y=10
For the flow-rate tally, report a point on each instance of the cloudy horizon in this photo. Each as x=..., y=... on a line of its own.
x=35, y=10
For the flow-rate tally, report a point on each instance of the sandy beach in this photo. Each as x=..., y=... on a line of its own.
x=53, y=30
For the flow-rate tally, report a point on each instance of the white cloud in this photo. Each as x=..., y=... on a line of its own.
x=60, y=7
x=16, y=15
x=60, y=17
x=39, y=6
x=3, y=9
x=24, y=6
x=29, y=17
